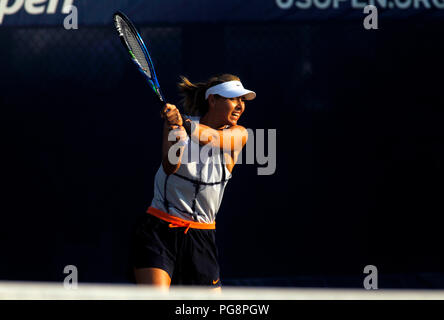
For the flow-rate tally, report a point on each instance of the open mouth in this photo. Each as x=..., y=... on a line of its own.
x=235, y=115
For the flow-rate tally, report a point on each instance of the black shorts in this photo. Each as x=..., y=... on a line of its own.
x=189, y=259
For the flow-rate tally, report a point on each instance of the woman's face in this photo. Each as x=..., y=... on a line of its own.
x=229, y=110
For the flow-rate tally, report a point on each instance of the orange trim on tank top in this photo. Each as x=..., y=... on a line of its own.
x=176, y=222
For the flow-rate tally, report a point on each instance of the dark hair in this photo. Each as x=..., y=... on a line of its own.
x=193, y=94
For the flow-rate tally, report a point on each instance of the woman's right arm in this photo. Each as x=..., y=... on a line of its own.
x=173, y=132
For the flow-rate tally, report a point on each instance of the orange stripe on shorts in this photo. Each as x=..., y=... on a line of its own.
x=176, y=222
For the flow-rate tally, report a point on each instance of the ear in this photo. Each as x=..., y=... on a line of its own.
x=211, y=101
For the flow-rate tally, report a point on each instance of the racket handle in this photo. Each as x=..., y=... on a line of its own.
x=187, y=124
x=185, y=119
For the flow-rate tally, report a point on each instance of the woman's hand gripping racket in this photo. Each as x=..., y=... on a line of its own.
x=133, y=42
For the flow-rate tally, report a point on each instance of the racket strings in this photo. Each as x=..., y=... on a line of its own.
x=136, y=50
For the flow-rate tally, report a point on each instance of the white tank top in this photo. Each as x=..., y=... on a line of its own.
x=195, y=191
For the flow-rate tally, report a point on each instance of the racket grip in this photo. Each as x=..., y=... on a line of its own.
x=187, y=124
x=162, y=106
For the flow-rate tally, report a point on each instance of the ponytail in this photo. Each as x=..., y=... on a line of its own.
x=194, y=102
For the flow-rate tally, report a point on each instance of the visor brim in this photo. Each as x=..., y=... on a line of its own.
x=247, y=94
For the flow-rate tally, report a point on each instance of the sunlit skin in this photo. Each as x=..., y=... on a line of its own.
x=158, y=278
x=218, y=123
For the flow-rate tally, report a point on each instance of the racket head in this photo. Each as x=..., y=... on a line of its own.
x=137, y=50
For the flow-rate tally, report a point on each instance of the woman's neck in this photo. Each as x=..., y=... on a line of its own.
x=211, y=122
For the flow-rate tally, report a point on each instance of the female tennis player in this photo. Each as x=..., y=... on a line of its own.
x=175, y=243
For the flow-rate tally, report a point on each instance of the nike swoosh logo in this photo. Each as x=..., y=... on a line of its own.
x=215, y=281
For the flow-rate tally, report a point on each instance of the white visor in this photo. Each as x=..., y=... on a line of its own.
x=231, y=89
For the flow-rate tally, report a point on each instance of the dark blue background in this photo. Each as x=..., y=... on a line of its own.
x=359, y=176
x=97, y=12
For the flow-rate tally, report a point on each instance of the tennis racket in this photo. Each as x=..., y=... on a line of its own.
x=138, y=51
x=139, y=54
